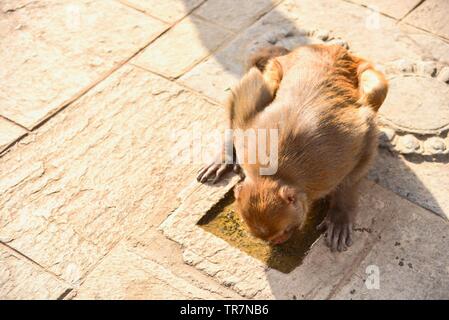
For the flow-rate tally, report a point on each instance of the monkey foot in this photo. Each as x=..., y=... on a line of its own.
x=338, y=235
x=216, y=171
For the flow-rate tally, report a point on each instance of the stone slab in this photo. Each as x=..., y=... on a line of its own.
x=169, y=11
x=234, y=14
x=168, y=275
x=414, y=178
x=183, y=46
x=395, y=9
x=20, y=279
x=53, y=51
x=322, y=273
x=431, y=16
x=412, y=260
x=9, y=133
x=101, y=167
x=379, y=39
x=125, y=274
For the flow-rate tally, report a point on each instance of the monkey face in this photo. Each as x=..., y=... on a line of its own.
x=272, y=211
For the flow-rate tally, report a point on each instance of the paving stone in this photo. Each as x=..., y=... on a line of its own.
x=419, y=180
x=380, y=40
x=411, y=259
x=52, y=51
x=20, y=279
x=234, y=14
x=182, y=47
x=444, y=75
x=432, y=16
x=9, y=132
x=322, y=273
x=167, y=10
x=103, y=166
x=395, y=9
x=152, y=246
x=124, y=274
x=26, y=61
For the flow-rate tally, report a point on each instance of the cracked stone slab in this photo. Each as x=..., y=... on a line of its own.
x=20, y=279
x=431, y=16
x=234, y=14
x=9, y=133
x=422, y=182
x=380, y=40
x=183, y=46
x=395, y=9
x=100, y=168
x=125, y=274
x=149, y=266
x=53, y=51
x=169, y=11
x=321, y=272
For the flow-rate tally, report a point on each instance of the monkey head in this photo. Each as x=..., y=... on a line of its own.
x=271, y=209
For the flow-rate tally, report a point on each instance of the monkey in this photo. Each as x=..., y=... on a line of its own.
x=254, y=92
x=324, y=107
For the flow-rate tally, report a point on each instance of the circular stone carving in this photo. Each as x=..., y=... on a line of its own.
x=415, y=115
x=291, y=38
x=416, y=104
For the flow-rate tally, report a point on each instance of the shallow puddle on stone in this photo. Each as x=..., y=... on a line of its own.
x=223, y=221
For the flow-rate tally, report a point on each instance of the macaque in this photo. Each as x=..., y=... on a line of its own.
x=255, y=91
x=323, y=102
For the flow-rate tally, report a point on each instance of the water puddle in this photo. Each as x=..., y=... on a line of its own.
x=223, y=221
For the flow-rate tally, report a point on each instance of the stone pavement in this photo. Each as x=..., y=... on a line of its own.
x=100, y=99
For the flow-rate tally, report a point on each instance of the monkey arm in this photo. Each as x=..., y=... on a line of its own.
x=255, y=91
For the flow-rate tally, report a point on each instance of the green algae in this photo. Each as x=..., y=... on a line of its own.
x=223, y=221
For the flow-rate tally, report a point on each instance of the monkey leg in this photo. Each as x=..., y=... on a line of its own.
x=260, y=58
x=340, y=218
x=255, y=91
x=343, y=201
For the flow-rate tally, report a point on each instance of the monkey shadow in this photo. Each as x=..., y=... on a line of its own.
x=389, y=171
x=394, y=172
x=282, y=31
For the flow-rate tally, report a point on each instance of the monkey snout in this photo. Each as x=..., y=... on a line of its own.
x=281, y=239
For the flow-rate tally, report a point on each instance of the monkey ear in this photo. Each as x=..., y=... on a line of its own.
x=288, y=194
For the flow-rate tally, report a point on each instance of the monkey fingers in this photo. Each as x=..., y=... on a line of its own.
x=214, y=171
x=338, y=235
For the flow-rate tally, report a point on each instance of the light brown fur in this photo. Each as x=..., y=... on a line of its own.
x=324, y=108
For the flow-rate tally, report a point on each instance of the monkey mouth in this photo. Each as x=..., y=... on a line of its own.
x=283, y=237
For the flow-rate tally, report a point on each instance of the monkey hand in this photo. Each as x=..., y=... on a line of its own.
x=216, y=171
x=338, y=233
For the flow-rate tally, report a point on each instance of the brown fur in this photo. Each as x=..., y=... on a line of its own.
x=255, y=91
x=261, y=57
x=324, y=107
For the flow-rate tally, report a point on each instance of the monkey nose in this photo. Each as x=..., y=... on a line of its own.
x=279, y=240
